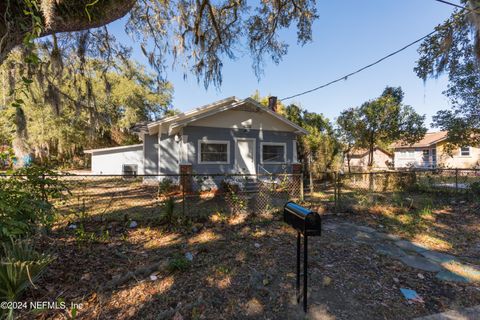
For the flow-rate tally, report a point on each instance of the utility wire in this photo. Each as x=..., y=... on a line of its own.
x=453, y=4
x=345, y=77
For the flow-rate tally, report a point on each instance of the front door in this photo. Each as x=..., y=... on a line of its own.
x=245, y=155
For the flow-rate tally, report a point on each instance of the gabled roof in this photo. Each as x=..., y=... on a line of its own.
x=361, y=152
x=182, y=119
x=430, y=139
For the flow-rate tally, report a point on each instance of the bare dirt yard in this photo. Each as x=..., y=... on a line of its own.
x=444, y=222
x=122, y=261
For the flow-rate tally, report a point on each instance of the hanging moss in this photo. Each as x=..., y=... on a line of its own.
x=53, y=98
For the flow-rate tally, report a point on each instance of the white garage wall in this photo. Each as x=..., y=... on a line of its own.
x=112, y=161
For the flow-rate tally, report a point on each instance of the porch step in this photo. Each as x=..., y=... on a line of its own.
x=251, y=186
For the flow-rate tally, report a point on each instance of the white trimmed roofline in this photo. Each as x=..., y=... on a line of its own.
x=113, y=148
x=183, y=119
x=151, y=126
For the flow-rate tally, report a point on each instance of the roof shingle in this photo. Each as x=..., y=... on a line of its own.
x=429, y=140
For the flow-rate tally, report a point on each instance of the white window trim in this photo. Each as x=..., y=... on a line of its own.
x=273, y=144
x=199, y=155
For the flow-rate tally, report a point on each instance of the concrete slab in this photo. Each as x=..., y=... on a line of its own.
x=388, y=249
x=410, y=246
x=420, y=263
x=437, y=256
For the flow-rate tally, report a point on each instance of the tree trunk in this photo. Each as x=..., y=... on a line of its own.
x=56, y=16
x=370, y=157
x=20, y=145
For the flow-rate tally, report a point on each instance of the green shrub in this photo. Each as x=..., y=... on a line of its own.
x=20, y=266
x=169, y=211
x=83, y=236
x=178, y=263
x=475, y=188
x=166, y=186
x=7, y=157
x=26, y=201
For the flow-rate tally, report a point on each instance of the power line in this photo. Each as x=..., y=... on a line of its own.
x=452, y=4
x=345, y=77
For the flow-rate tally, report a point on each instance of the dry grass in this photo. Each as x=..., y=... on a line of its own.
x=440, y=222
x=243, y=265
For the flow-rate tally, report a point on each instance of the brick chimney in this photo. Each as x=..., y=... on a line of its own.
x=272, y=103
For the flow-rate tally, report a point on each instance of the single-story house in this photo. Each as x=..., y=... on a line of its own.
x=357, y=159
x=227, y=136
x=430, y=153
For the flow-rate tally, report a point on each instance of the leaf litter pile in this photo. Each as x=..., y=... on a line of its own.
x=228, y=267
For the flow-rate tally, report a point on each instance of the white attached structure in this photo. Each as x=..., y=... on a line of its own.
x=117, y=160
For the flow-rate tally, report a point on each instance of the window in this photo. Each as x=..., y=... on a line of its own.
x=214, y=151
x=273, y=152
x=465, y=151
x=426, y=153
x=407, y=154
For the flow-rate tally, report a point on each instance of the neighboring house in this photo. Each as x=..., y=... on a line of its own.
x=358, y=158
x=430, y=153
x=228, y=136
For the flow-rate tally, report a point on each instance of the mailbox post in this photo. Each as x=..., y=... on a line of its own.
x=307, y=223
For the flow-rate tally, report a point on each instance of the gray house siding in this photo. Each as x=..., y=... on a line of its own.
x=198, y=133
x=169, y=162
x=150, y=148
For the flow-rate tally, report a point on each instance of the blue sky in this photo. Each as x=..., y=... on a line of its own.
x=349, y=34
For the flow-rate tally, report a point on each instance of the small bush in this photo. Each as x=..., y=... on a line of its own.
x=169, y=211
x=166, y=186
x=475, y=188
x=178, y=263
x=7, y=157
x=83, y=236
x=26, y=201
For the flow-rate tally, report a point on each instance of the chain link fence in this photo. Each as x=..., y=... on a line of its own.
x=196, y=196
x=340, y=190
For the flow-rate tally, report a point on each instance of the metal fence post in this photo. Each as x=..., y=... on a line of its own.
x=183, y=195
x=311, y=182
x=335, y=189
x=456, y=180
x=339, y=188
x=42, y=188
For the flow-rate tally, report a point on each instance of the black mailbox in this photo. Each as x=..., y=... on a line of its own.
x=307, y=223
x=301, y=219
